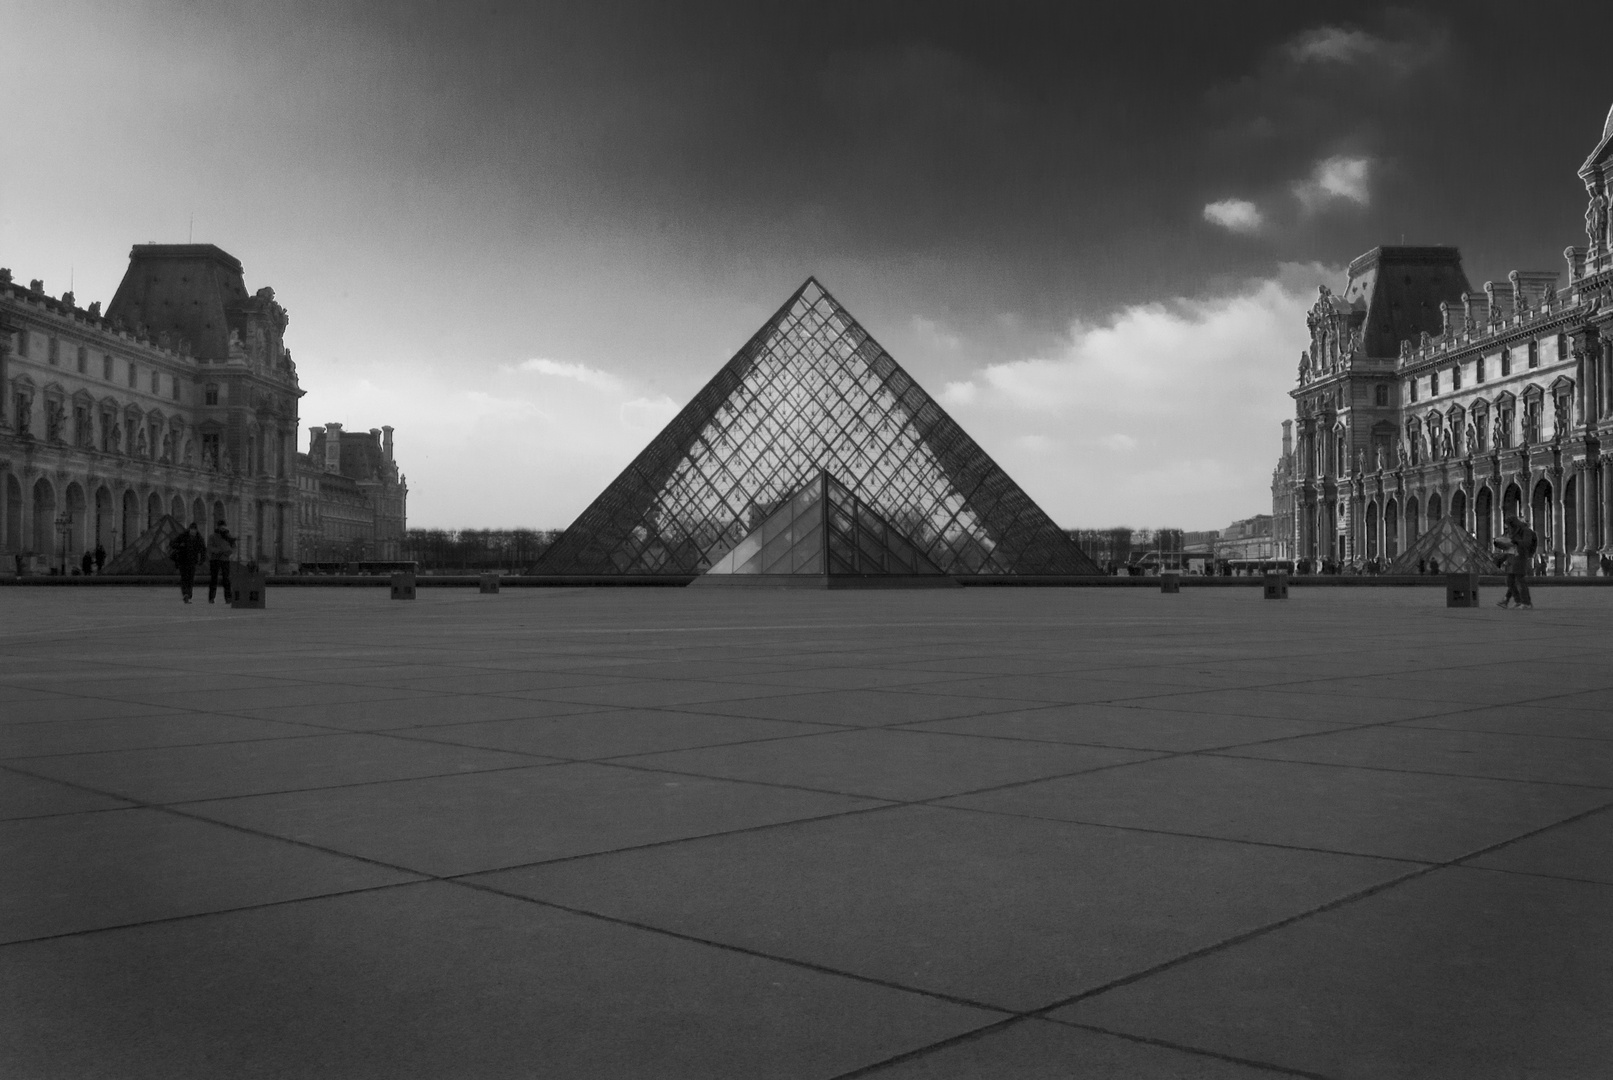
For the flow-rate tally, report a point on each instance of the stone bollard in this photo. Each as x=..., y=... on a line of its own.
x=247, y=588
x=1170, y=583
x=403, y=586
x=1276, y=585
x=489, y=583
x=1461, y=590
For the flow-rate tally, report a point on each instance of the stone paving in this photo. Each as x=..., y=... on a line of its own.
x=683, y=833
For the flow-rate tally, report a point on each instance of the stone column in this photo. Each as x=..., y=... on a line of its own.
x=1606, y=500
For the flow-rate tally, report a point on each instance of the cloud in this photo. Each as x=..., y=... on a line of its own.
x=1165, y=413
x=1234, y=215
x=1419, y=43
x=647, y=414
x=599, y=380
x=1339, y=177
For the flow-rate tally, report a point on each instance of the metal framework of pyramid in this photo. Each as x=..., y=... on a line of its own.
x=825, y=536
x=811, y=391
x=1456, y=550
x=148, y=552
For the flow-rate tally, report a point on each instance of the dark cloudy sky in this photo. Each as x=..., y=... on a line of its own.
x=525, y=233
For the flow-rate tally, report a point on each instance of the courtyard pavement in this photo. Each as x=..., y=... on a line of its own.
x=998, y=833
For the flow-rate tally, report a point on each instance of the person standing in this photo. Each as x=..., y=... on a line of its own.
x=220, y=547
x=100, y=556
x=85, y=564
x=187, y=550
x=1522, y=539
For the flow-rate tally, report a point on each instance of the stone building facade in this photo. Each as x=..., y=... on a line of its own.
x=1421, y=397
x=180, y=399
x=352, y=500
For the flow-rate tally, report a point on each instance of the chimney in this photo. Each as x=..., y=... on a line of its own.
x=333, y=448
x=1288, y=437
x=386, y=440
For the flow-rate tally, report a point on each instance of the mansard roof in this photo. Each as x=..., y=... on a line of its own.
x=194, y=291
x=1402, y=288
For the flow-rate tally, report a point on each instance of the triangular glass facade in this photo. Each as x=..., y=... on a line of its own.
x=1455, y=549
x=825, y=530
x=810, y=392
x=148, y=552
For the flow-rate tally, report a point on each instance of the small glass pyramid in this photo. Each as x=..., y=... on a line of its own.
x=821, y=532
x=1455, y=549
x=148, y=552
x=811, y=391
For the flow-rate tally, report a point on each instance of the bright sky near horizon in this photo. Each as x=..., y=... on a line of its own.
x=524, y=235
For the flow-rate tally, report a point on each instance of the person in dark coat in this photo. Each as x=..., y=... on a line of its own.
x=187, y=550
x=1519, y=554
x=220, y=547
x=100, y=557
x=85, y=563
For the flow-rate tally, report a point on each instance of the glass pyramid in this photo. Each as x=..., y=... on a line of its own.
x=811, y=391
x=824, y=531
x=148, y=552
x=1455, y=549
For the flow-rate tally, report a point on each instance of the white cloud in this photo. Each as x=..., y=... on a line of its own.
x=647, y=414
x=1414, y=42
x=1161, y=414
x=599, y=380
x=1338, y=177
x=1235, y=215
x=1336, y=44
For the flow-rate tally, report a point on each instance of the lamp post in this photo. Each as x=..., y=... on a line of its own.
x=64, y=525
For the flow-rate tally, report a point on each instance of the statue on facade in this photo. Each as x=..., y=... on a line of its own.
x=1402, y=454
x=1360, y=461
x=1377, y=454
x=168, y=446
x=225, y=465
x=1471, y=441
x=1447, y=449
x=1596, y=220
x=55, y=421
x=1560, y=416
x=1498, y=437
x=1304, y=368
x=115, y=440
x=25, y=414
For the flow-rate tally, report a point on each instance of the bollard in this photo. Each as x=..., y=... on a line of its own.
x=1461, y=590
x=403, y=586
x=1170, y=583
x=247, y=588
x=1277, y=586
x=489, y=583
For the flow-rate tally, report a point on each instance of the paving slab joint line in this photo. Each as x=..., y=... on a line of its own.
x=741, y=950
x=1320, y=909
x=1166, y=1044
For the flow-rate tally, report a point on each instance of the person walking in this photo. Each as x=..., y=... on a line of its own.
x=100, y=557
x=1522, y=539
x=86, y=563
x=220, y=546
x=187, y=550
